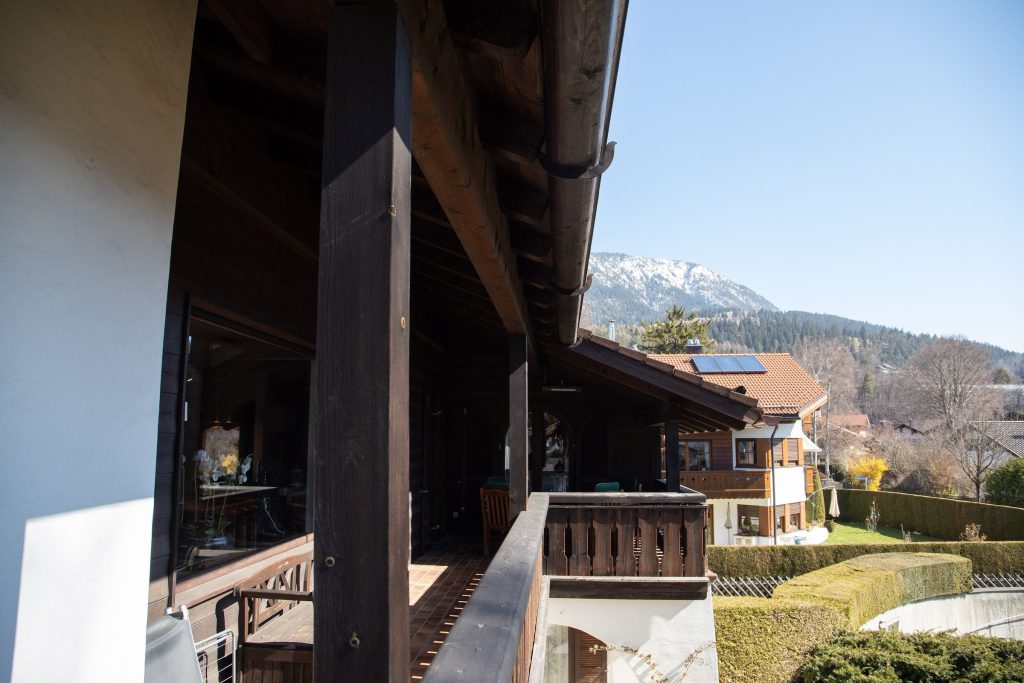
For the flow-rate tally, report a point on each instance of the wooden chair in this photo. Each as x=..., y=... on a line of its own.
x=495, y=510
x=275, y=622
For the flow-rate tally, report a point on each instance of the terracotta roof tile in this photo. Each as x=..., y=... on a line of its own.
x=785, y=389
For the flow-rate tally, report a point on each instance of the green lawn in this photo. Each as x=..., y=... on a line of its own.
x=854, y=532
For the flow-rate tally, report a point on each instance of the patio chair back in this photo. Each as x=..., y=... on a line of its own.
x=607, y=487
x=495, y=510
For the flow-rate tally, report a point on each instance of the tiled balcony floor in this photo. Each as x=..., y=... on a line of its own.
x=440, y=583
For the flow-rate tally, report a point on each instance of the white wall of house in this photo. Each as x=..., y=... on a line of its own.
x=92, y=106
x=670, y=631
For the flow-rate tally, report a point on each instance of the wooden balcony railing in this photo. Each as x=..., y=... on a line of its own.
x=625, y=534
x=729, y=483
x=637, y=538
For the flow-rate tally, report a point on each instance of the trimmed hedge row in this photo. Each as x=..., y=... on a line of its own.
x=937, y=517
x=869, y=585
x=885, y=657
x=766, y=640
x=761, y=640
x=990, y=557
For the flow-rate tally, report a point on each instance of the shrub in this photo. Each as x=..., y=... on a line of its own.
x=866, y=586
x=871, y=522
x=886, y=657
x=871, y=467
x=972, y=534
x=937, y=517
x=763, y=640
x=816, y=502
x=792, y=560
x=830, y=525
x=1005, y=486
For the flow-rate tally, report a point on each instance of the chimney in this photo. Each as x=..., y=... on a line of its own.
x=611, y=330
x=693, y=346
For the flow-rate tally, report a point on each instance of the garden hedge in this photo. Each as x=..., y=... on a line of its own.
x=866, y=586
x=990, y=557
x=937, y=517
x=766, y=640
x=761, y=640
x=886, y=657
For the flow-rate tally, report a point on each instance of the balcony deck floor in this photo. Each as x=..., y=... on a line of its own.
x=440, y=583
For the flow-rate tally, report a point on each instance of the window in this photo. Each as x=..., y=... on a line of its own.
x=245, y=444
x=792, y=452
x=746, y=452
x=777, y=451
x=695, y=455
x=780, y=518
x=749, y=520
x=794, y=516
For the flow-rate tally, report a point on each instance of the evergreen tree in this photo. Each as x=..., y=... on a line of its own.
x=671, y=334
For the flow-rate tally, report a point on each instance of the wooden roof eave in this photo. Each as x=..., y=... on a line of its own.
x=709, y=407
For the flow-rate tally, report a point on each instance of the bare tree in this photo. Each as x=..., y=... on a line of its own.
x=832, y=366
x=949, y=378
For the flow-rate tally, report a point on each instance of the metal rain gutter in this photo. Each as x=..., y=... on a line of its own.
x=581, y=43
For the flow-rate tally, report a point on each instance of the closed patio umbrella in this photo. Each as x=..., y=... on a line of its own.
x=833, y=506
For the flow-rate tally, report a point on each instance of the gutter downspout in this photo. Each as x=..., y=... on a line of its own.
x=775, y=518
x=581, y=43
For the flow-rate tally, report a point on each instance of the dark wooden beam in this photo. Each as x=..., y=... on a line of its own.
x=501, y=29
x=672, y=456
x=511, y=135
x=518, y=409
x=446, y=143
x=522, y=203
x=629, y=587
x=361, y=601
x=534, y=274
x=529, y=243
x=248, y=24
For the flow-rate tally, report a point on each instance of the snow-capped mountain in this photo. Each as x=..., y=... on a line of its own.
x=631, y=289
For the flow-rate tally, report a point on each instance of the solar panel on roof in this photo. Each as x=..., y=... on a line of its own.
x=706, y=363
x=751, y=364
x=730, y=364
x=726, y=364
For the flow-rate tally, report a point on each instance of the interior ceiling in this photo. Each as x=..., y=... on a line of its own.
x=261, y=64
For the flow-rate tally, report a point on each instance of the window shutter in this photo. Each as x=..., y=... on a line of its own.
x=587, y=666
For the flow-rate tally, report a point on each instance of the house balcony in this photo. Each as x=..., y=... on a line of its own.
x=729, y=483
x=566, y=558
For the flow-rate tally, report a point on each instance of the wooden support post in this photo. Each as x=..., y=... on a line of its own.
x=361, y=600
x=671, y=456
x=518, y=408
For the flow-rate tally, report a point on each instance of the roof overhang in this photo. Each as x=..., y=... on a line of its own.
x=697, y=405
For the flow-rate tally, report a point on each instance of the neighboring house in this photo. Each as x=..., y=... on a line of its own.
x=754, y=490
x=1006, y=435
x=858, y=423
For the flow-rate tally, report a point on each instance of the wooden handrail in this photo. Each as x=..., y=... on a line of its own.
x=626, y=499
x=661, y=535
x=493, y=638
x=740, y=482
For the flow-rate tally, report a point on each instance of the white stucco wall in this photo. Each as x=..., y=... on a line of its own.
x=92, y=103
x=993, y=612
x=669, y=631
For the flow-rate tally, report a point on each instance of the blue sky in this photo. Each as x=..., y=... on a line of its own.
x=858, y=158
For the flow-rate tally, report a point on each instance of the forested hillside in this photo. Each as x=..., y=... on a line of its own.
x=769, y=331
